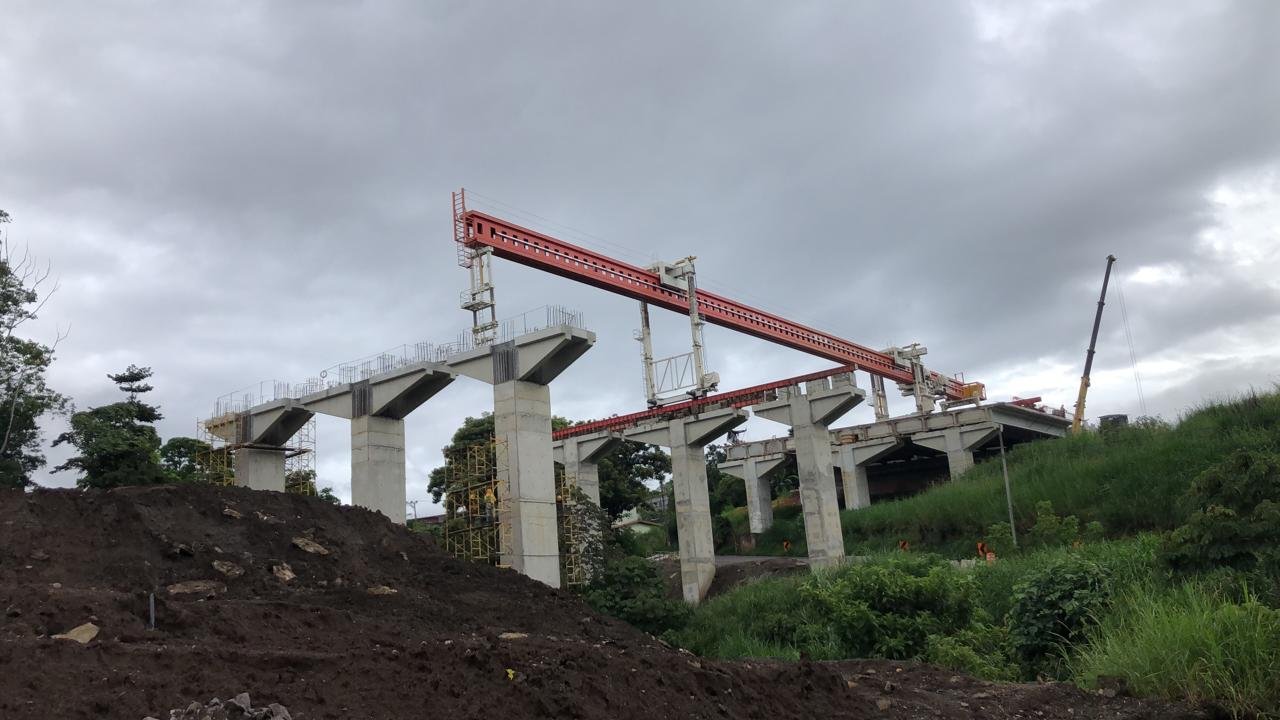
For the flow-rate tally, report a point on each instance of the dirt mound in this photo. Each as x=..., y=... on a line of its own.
x=333, y=612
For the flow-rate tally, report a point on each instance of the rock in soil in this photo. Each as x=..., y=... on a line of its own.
x=323, y=647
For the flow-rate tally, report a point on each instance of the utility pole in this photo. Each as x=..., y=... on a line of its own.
x=413, y=504
x=1077, y=421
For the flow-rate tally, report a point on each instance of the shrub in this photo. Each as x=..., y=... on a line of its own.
x=629, y=589
x=890, y=609
x=1052, y=609
x=982, y=651
x=1236, y=523
x=768, y=613
x=1189, y=644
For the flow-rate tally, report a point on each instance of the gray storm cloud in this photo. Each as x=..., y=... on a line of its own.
x=236, y=192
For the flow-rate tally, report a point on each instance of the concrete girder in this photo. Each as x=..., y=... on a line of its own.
x=853, y=459
x=809, y=415
x=686, y=438
x=755, y=471
x=958, y=443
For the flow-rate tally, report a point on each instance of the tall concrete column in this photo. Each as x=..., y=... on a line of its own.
x=377, y=408
x=809, y=415
x=377, y=465
x=754, y=472
x=853, y=458
x=521, y=371
x=687, y=439
x=958, y=443
x=522, y=427
x=260, y=468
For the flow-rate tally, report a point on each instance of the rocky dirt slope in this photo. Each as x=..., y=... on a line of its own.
x=336, y=613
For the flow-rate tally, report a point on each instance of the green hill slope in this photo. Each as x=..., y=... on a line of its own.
x=1129, y=480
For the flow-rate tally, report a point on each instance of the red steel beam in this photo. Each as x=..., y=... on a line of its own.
x=529, y=247
x=733, y=398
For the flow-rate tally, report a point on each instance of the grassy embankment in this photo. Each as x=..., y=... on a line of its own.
x=1130, y=481
x=1204, y=638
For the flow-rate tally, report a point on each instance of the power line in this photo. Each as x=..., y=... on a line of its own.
x=1133, y=356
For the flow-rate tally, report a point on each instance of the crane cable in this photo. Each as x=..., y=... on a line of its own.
x=1133, y=356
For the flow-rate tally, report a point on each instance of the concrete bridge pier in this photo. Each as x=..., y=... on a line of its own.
x=580, y=455
x=377, y=408
x=521, y=371
x=755, y=471
x=853, y=459
x=809, y=415
x=261, y=435
x=958, y=443
x=687, y=438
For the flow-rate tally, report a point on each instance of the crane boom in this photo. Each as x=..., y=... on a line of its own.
x=475, y=229
x=1077, y=420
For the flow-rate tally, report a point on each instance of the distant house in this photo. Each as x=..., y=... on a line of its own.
x=632, y=521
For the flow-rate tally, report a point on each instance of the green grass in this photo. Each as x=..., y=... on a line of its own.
x=1131, y=481
x=1189, y=643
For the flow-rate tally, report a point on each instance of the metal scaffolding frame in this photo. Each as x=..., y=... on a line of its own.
x=477, y=519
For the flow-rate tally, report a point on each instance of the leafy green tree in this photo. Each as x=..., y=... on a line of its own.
x=24, y=396
x=1236, y=523
x=624, y=472
x=473, y=432
x=118, y=444
x=326, y=494
x=185, y=459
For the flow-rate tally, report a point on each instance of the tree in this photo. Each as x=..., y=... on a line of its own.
x=624, y=471
x=186, y=459
x=118, y=444
x=24, y=396
x=474, y=431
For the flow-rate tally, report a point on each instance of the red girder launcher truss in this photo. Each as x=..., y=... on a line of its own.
x=474, y=229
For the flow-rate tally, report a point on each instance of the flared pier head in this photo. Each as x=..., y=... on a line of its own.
x=260, y=435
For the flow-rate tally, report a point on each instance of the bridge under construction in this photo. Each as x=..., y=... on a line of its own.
x=521, y=486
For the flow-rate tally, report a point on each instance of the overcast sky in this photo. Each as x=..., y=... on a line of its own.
x=233, y=192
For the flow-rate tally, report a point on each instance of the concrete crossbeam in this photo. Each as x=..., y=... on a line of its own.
x=687, y=438
x=958, y=443
x=809, y=415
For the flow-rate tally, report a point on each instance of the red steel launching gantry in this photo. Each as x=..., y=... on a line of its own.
x=475, y=230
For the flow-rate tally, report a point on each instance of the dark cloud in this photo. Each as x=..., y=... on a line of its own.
x=240, y=192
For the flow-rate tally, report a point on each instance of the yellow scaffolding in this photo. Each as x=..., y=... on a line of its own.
x=477, y=524
x=573, y=571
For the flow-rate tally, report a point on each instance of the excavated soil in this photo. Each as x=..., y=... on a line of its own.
x=454, y=640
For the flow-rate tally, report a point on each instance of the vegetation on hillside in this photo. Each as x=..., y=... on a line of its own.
x=1181, y=602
